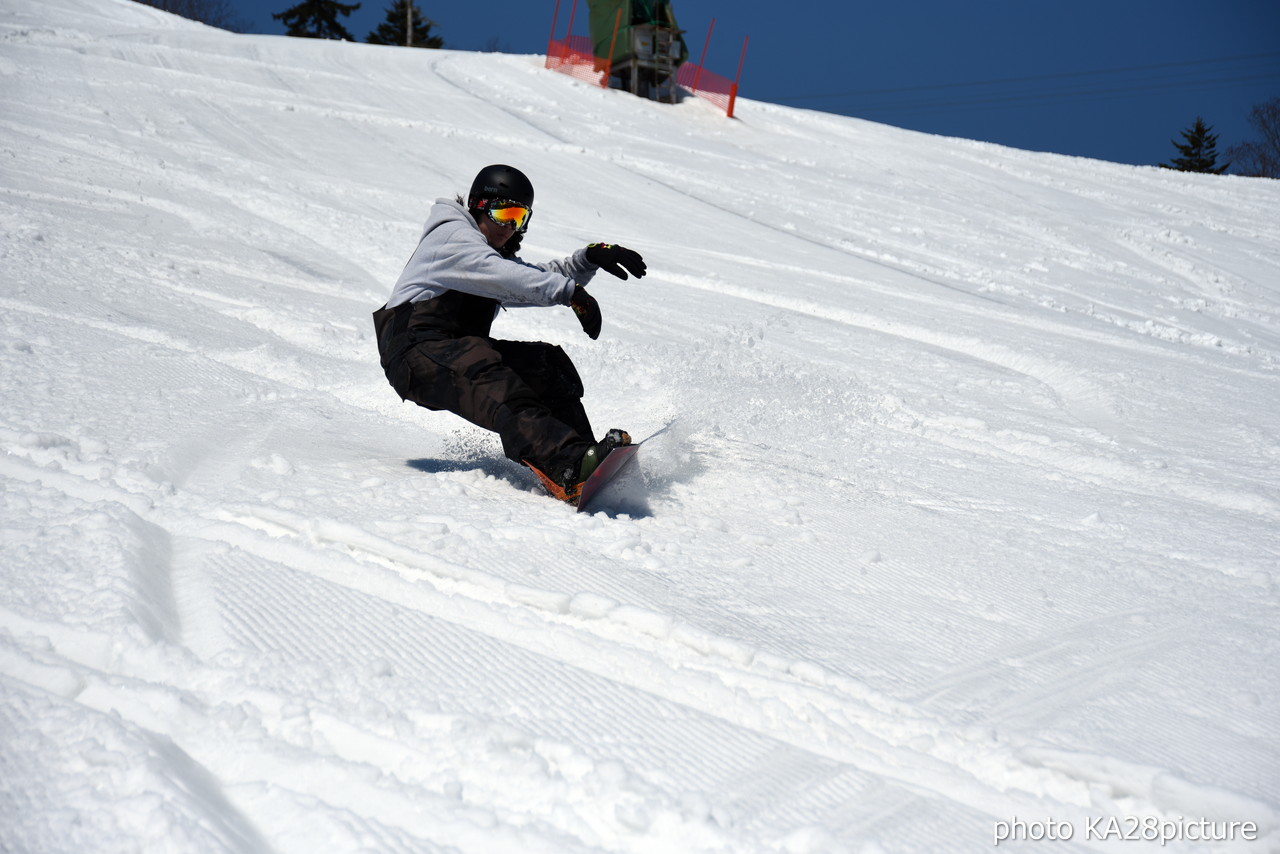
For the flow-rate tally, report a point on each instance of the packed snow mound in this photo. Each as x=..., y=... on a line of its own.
x=966, y=512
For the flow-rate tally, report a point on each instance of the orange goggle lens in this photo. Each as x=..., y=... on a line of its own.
x=510, y=214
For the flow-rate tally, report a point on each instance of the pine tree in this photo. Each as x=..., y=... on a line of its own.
x=317, y=19
x=1199, y=152
x=395, y=29
x=1260, y=158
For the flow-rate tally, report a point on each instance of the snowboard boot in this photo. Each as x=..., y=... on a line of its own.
x=568, y=486
x=595, y=455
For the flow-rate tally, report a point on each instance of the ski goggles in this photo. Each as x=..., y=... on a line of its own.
x=506, y=213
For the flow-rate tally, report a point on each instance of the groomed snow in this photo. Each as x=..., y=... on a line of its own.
x=967, y=510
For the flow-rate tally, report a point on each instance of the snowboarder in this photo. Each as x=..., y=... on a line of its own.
x=434, y=332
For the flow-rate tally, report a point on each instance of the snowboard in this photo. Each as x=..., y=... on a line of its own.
x=609, y=468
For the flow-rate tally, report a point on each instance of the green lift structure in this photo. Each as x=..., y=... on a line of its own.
x=640, y=44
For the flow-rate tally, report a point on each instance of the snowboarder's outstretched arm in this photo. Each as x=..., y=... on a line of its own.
x=611, y=258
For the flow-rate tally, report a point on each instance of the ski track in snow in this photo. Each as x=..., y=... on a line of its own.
x=962, y=505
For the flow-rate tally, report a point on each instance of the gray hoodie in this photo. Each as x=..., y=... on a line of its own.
x=453, y=255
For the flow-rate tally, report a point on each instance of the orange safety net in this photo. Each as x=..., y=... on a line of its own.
x=575, y=56
x=708, y=85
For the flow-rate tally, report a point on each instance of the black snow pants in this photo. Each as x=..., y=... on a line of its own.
x=528, y=392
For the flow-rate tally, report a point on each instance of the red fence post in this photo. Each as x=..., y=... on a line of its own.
x=703, y=59
x=555, y=16
x=608, y=66
x=572, y=12
x=733, y=93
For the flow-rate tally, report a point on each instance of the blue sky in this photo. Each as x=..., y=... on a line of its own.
x=1113, y=80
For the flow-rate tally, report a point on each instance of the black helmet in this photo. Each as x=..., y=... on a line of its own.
x=500, y=182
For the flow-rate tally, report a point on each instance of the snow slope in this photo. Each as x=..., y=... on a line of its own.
x=968, y=509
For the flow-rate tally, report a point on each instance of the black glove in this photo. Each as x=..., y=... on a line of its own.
x=588, y=310
x=608, y=257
